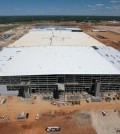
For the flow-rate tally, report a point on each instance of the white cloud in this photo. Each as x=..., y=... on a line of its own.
x=107, y=7
x=114, y=1
x=99, y=5
x=93, y=7
x=89, y=5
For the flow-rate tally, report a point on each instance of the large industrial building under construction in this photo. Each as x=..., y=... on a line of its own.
x=59, y=59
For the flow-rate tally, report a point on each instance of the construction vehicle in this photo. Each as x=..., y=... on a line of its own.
x=108, y=99
x=22, y=115
x=37, y=116
x=3, y=117
x=75, y=102
x=117, y=130
x=117, y=96
x=3, y=101
x=53, y=128
x=104, y=113
x=87, y=100
x=114, y=98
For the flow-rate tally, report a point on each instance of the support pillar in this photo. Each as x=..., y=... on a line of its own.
x=26, y=93
x=95, y=89
x=56, y=94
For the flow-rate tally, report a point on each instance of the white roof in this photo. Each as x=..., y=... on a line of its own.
x=55, y=37
x=111, y=54
x=47, y=60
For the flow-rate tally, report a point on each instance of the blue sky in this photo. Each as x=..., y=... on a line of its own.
x=60, y=7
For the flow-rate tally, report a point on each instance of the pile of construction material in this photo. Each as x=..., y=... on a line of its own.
x=95, y=99
x=59, y=103
x=6, y=35
x=71, y=98
x=47, y=97
x=4, y=119
x=110, y=96
x=74, y=100
x=117, y=96
x=85, y=95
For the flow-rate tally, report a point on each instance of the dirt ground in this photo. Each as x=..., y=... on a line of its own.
x=16, y=33
x=106, y=124
x=108, y=38
x=71, y=119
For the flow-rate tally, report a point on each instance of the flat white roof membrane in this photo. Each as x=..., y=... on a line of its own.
x=48, y=60
x=55, y=37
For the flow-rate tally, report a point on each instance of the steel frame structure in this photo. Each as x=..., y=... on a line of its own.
x=72, y=83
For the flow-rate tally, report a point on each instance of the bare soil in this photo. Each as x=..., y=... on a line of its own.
x=71, y=119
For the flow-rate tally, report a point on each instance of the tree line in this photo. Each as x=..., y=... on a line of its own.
x=15, y=19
